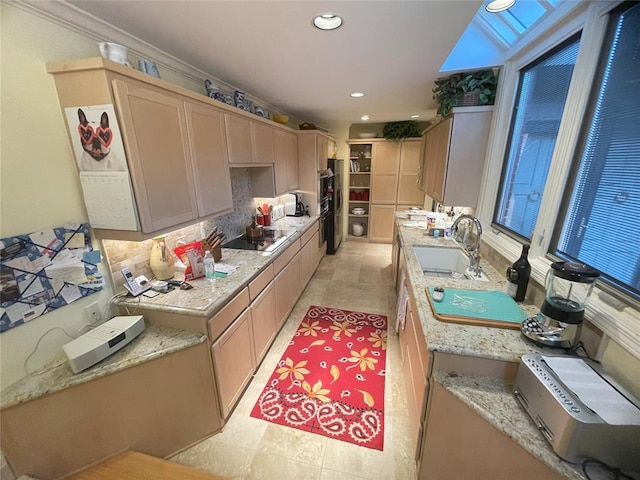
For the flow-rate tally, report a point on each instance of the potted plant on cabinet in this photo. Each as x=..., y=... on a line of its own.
x=465, y=89
x=397, y=131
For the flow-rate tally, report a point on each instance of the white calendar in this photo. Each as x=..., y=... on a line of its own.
x=109, y=200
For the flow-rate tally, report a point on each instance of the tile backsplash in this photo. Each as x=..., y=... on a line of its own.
x=135, y=255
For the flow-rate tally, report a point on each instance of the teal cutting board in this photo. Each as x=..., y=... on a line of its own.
x=488, y=308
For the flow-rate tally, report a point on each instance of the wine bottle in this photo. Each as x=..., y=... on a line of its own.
x=518, y=276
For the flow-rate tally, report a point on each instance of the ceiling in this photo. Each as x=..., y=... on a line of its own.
x=390, y=50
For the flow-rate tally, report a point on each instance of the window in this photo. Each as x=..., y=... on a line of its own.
x=601, y=211
x=542, y=92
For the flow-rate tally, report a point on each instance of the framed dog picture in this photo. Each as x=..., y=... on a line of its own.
x=95, y=138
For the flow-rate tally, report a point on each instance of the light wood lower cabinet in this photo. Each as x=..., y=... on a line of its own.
x=381, y=221
x=159, y=407
x=458, y=443
x=415, y=360
x=234, y=361
x=288, y=288
x=263, y=321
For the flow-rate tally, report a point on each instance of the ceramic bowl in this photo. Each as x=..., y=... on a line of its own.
x=367, y=135
x=283, y=119
x=358, y=211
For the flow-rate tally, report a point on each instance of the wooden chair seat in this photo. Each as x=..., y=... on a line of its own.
x=132, y=465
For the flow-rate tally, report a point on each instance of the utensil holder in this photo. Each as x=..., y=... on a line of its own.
x=215, y=251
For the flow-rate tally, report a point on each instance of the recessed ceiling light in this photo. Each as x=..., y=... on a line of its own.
x=357, y=94
x=415, y=116
x=364, y=117
x=499, y=5
x=327, y=21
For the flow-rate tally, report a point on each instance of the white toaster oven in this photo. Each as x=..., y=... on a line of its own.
x=580, y=410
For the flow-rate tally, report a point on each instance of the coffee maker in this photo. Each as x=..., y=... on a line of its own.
x=559, y=321
x=294, y=204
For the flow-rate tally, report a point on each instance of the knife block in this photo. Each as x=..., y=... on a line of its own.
x=216, y=252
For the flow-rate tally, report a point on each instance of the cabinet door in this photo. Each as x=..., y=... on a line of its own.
x=408, y=182
x=309, y=258
x=288, y=286
x=234, y=361
x=323, y=152
x=281, y=160
x=209, y=157
x=263, y=321
x=441, y=158
x=262, y=143
x=292, y=161
x=154, y=129
x=384, y=172
x=384, y=188
x=238, y=139
x=381, y=219
x=386, y=158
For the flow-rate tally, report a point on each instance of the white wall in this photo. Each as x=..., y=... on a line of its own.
x=39, y=183
x=39, y=186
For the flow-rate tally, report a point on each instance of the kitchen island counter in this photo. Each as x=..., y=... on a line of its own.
x=452, y=345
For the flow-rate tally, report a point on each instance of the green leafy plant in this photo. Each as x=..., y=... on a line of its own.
x=450, y=91
x=396, y=131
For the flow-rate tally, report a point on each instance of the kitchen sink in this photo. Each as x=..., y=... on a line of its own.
x=445, y=262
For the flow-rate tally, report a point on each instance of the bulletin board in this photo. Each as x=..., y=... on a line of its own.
x=46, y=270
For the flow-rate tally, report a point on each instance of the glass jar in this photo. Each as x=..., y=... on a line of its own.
x=161, y=260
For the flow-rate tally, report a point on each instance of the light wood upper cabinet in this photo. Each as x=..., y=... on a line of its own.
x=263, y=148
x=239, y=139
x=249, y=142
x=174, y=140
x=453, y=155
x=286, y=161
x=385, y=158
x=209, y=156
x=154, y=129
x=384, y=172
x=409, y=192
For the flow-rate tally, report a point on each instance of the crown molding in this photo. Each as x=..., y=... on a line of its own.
x=74, y=19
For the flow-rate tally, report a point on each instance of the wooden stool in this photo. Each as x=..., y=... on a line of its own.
x=131, y=465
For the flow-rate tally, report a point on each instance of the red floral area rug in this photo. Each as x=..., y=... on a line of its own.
x=330, y=380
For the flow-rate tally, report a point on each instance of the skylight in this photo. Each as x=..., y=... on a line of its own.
x=489, y=35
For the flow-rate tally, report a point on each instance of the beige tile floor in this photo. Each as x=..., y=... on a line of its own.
x=358, y=278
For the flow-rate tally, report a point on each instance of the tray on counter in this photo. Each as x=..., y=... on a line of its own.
x=488, y=308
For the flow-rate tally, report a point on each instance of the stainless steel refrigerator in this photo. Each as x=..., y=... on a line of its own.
x=334, y=219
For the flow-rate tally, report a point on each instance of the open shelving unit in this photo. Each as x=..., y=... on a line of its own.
x=359, y=189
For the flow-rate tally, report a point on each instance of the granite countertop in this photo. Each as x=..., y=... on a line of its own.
x=487, y=396
x=493, y=400
x=154, y=342
x=203, y=299
x=471, y=340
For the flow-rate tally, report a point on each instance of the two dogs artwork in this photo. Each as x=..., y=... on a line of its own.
x=96, y=141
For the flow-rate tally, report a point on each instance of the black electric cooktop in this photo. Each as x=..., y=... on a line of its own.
x=272, y=240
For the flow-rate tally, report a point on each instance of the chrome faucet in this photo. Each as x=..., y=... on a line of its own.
x=474, y=251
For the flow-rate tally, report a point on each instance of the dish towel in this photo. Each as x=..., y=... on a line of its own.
x=403, y=300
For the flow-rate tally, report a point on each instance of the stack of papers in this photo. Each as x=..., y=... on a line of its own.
x=228, y=269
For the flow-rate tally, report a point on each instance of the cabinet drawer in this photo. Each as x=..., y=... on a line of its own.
x=261, y=281
x=225, y=317
x=282, y=261
x=308, y=235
